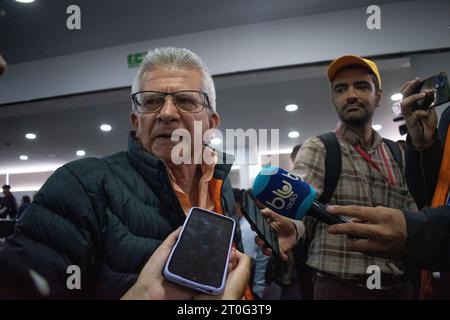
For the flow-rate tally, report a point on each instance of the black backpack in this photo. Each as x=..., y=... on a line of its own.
x=333, y=168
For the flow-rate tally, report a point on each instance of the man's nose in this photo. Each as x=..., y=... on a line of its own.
x=351, y=95
x=169, y=111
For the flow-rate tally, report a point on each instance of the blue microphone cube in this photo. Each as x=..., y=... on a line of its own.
x=283, y=192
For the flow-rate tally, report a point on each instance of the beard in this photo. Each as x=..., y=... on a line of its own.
x=355, y=120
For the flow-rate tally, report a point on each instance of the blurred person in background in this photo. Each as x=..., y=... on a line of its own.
x=25, y=203
x=9, y=202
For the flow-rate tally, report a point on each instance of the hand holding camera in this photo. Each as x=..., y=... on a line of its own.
x=419, y=100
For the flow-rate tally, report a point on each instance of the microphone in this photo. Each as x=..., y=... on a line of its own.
x=287, y=194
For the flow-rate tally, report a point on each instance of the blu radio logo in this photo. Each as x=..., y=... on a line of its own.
x=285, y=197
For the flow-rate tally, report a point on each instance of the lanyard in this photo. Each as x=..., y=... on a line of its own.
x=390, y=179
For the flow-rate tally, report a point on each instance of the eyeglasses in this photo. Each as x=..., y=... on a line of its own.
x=186, y=101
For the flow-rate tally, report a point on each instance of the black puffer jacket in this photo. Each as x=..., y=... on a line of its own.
x=106, y=216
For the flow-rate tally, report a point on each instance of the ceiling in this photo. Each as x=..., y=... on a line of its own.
x=38, y=30
x=249, y=100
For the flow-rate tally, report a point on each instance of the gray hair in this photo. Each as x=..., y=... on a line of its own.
x=176, y=57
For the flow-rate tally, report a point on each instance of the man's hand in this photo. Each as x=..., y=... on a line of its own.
x=237, y=279
x=377, y=231
x=286, y=232
x=413, y=118
x=151, y=284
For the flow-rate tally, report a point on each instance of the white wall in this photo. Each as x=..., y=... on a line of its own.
x=406, y=26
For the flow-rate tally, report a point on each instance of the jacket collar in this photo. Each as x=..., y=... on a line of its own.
x=155, y=173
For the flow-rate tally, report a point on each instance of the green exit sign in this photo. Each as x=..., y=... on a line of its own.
x=135, y=59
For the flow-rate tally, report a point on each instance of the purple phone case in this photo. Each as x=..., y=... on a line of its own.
x=192, y=284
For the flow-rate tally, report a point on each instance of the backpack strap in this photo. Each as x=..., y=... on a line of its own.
x=333, y=165
x=333, y=162
x=394, y=148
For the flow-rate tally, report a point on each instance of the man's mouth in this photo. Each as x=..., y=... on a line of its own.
x=163, y=135
x=353, y=107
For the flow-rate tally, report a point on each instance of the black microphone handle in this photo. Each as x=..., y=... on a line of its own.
x=320, y=212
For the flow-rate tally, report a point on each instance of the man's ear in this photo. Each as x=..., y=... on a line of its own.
x=134, y=120
x=214, y=120
x=379, y=92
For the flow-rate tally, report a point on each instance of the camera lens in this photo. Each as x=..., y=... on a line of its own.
x=403, y=129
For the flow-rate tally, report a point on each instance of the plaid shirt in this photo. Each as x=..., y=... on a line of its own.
x=359, y=184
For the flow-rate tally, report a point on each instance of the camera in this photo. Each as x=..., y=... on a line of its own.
x=437, y=92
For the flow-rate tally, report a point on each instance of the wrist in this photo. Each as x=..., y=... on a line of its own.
x=136, y=292
x=415, y=143
x=299, y=230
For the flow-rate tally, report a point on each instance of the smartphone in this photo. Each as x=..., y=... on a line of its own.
x=440, y=92
x=199, y=259
x=258, y=223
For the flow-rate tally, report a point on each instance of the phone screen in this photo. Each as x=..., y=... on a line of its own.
x=201, y=253
x=259, y=223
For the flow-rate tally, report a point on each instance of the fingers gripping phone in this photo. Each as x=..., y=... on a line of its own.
x=199, y=259
x=258, y=223
x=438, y=92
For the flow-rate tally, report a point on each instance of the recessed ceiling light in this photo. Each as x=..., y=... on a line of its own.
x=293, y=134
x=23, y=157
x=377, y=127
x=25, y=1
x=291, y=107
x=81, y=153
x=216, y=141
x=397, y=97
x=105, y=127
x=30, y=136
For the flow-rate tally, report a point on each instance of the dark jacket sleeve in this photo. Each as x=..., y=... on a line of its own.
x=60, y=228
x=444, y=123
x=421, y=190
x=428, y=238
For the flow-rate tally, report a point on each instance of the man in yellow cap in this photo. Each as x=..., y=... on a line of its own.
x=353, y=165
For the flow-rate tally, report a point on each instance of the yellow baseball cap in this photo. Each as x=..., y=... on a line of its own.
x=351, y=59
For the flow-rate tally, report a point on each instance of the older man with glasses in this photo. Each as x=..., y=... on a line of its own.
x=107, y=216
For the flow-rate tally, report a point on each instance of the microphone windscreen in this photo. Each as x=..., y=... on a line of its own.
x=283, y=192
